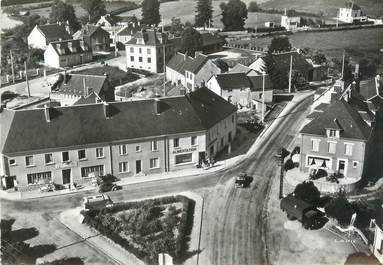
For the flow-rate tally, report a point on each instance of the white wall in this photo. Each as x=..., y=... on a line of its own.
x=36, y=39
x=51, y=58
x=213, y=85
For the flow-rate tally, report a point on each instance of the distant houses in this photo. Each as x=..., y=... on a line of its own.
x=42, y=35
x=351, y=13
x=94, y=37
x=290, y=23
x=61, y=54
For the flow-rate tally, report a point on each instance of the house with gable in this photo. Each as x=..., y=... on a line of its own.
x=191, y=72
x=42, y=35
x=351, y=13
x=338, y=141
x=74, y=89
x=372, y=92
x=95, y=37
x=61, y=54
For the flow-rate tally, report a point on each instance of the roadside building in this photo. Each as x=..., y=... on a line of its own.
x=191, y=72
x=61, y=54
x=147, y=49
x=351, y=13
x=211, y=43
x=74, y=89
x=290, y=23
x=76, y=143
x=337, y=141
x=126, y=34
x=94, y=37
x=240, y=68
x=242, y=90
x=42, y=35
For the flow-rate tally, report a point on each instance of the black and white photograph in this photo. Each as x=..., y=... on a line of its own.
x=191, y=132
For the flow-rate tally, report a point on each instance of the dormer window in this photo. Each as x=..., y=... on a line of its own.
x=332, y=133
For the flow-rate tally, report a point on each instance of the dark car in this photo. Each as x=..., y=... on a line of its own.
x=105, y=187
x=241, y=180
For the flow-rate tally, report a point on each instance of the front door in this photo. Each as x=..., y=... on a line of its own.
x=341, y=166
x=66, y=176
x=138, y=166
x=9, y=182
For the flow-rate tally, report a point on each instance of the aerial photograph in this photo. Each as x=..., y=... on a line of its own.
x=191, y=132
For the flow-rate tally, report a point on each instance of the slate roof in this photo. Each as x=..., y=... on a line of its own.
x=73, y=84
x=211, y=39
x=348, y=119
x=128, y=31
x=180, y=62
x=240, y=81
x=240, y=68
x=88, y=30
x=197, y=111
x=256, y=82
x=352, y=5
x=283, y=61
x=368, y=89
x=62, y=47
x=54, y=31
x=150, y=38
x=314, y=115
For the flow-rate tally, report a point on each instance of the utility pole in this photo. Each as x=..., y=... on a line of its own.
x=13, y=69
x=343, y=64
x=163, y=55
x=337, y=18
x=263, y=97
x=291, y=70
x=26, y=78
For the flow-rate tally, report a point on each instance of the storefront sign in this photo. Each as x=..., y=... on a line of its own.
x=192, y=149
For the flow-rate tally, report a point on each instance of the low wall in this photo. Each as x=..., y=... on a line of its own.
x=327, y=187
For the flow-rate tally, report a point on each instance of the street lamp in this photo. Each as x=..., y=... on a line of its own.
x=280, y=157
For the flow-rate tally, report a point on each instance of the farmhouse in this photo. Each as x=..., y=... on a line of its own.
x=60, y=54
x=351, y=13
x=120, y=138
x=94, y=37
x=42, y=35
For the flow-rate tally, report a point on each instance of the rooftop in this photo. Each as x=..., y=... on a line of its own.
x=182, y=62
x=371, y=87
x=197, y=111
x=54, y=31
x=229, y=81
x=67, y=47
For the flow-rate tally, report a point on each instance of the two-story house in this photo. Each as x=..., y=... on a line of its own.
x=337, y=140
x=42, y=35
x=95, y=37
x=149, y=51
x=70, y=89
x=351, y=13
x=191, y=72
x=243, y=90
x=74, y=144
x=290, y=23
x=61, y=54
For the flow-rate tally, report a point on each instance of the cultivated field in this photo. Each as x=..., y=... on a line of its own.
x=328, y=7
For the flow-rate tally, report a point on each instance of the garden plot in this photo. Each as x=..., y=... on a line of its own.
x=147, y=228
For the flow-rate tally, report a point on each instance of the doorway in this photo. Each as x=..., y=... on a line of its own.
x=66, y=176
x=138, y=166
x=342, y=167
x=9, y=182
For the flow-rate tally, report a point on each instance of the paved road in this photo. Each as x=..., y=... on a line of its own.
x=234, y=226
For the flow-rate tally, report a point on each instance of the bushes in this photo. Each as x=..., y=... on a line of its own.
x=307, y=192
x=340, y=209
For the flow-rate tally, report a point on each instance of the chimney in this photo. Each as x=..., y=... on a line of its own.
x=106, y=107
x=47, y=113
x=157, y=106
x=185, y=56
x=377, y=82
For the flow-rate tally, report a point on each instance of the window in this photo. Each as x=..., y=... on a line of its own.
x=132, y=49
x=232, y=118
x=123, y=149
x=154, y=145
x=331, y=133
x=154, y=162
x=65, y=156
x=139, y=50
x=12, y=162
x=35, y=178
x=138, y=148
x=29, y=161
x=193, y=140
x=260, y=95
x=315, y=145
x=184, y=158
x=99, y=152
x=123, y=167
x=348, y=149
x=132, y=58
x=355, y=164
x=331, y=147
x=81, y=154
x=140, y=59
x=93, y=171
x=229, y=137
x=176, y=142
x=149, y=60
x=149, y=51
x=48, y=158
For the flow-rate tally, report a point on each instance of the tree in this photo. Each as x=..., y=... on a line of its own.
x=94, y=8
x=340, y=209
x=254, y=7
x=191, y=41
x=176, y=26
x=234, y=14
x=278, y=78
x=151, y=12
x=204, y=13
x=63, y=12
x=280, y=44
x=319, y=58
x=367, y=68
x=307, y=192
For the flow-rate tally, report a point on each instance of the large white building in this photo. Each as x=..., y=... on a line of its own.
x=351, y=13
x=147, y=49
x=42, y=35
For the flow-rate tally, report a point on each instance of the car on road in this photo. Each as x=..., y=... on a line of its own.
x=241, y=180
x=108, y=186
x=97, y=202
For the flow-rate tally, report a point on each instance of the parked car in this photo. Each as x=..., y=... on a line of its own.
x=108, y=186
x=241, y=180
x=97, y=202
x=47, y=187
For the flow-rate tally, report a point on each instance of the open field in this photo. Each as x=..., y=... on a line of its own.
x=328, y=7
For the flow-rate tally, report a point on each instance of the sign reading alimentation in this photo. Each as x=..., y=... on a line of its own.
x=192, y=149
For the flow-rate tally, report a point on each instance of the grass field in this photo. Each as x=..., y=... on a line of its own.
x=328, y=7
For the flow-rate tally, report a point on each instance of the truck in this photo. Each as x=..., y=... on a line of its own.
x=97, y=202
x=307, y=214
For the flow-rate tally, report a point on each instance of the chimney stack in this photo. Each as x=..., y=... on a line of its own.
x=157, y=106
x=106, y=107
x=47, y=113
